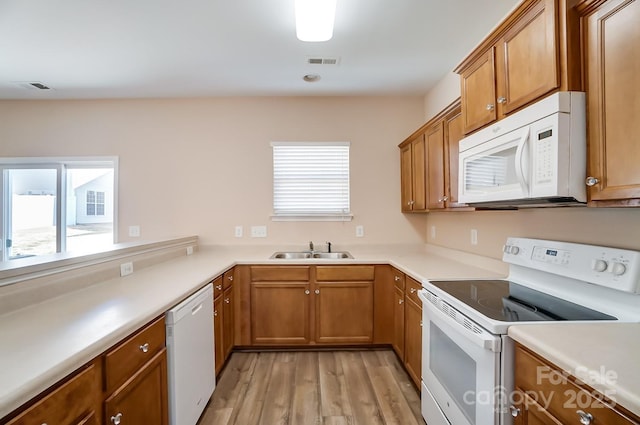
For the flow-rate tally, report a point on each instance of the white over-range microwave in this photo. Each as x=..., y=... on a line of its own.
x=533, y=158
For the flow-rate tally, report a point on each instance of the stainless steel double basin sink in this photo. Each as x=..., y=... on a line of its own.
x=302, y=255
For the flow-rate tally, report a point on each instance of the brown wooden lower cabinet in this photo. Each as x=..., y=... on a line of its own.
x=143, y=398
x=547, y=395
x=344, y=312
x=398, y=322
x=413, y=339
x=127, y=384
x=73, y=402
x=218, y=331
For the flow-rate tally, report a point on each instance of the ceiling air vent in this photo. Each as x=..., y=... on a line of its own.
x=323, y=61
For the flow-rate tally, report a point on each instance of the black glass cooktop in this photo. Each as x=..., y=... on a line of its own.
x=509, y=302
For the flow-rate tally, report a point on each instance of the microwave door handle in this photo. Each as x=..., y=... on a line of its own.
x=520, y=174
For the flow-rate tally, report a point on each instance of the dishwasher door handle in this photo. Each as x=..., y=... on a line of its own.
x=196, y=309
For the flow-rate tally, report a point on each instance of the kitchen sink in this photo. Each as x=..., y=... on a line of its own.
x=293, y=255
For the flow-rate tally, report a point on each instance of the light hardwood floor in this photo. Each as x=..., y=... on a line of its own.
x=314, y=388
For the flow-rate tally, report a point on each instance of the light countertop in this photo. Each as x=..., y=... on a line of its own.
x=604, y=356
x=44, y=342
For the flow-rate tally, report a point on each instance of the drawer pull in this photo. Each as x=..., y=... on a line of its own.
x=317, y=291
x=219, y=287
x=514, y=411
x=230, y=278
x=227, y=300
x=145, y=349
x=400, y=301
x=306, y=291
x=397, y=278
x=116, y=419
x=412, y=290
x=585, y=417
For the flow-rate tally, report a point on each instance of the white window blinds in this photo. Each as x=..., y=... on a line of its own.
x=311, y=180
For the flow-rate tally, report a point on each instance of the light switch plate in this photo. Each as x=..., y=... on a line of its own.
x=474, y=237
x=359, y=231
x=258, y=231
x=126, y=268
x=238, y=232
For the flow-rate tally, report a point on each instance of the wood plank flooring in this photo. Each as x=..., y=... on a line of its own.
x=314, y=388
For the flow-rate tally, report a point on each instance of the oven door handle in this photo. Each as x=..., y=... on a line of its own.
x=476, y=334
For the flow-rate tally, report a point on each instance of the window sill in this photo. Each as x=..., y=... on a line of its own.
x=319, y=217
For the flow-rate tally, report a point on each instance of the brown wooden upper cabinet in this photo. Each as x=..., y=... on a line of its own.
x=611, y=40
x=533, y=52
x=436, y=144
x=413, y=174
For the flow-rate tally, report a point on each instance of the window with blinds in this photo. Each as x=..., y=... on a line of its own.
x=311, y=181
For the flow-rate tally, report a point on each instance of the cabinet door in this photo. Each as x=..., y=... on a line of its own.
x=218, y=332
x=413, y=339
x=479, y=93
x=143, y=398
x=280, y=313
x=612, y=37
x=344, y=312
x=419, y=178
x=434, y=138
x=453, y=134
x=531, y=413
x=528, y=58
x=406, y=178
x=228, y=325
x=398, y=323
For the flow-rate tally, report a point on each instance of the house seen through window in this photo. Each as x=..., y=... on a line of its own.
x=52, y=205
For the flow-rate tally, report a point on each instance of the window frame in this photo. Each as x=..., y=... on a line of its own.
x=61, y=165
x=311, y=216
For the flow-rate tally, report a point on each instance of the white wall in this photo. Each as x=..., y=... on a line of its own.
x=203, y=166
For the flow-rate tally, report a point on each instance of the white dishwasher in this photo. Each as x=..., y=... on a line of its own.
x=190, y=357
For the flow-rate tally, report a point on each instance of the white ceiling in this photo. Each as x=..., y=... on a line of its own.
x=188, y=48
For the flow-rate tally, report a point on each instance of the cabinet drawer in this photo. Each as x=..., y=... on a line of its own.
x=122, y=361
x=217, y=286
x=71, y=403
x=227, y=279
x=412, y=288
x=344, y=273
x=398, y=278
x=558, y=395
x=279, y=273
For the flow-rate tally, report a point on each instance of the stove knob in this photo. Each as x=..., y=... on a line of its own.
x=514, y=250
x=618, y=269
x=599, y=265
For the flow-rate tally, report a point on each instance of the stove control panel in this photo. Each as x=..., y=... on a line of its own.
x=605, y=266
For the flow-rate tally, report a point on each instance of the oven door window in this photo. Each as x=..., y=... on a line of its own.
x=454, y=368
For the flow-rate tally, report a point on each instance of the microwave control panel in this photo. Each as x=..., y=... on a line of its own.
x=544, y=153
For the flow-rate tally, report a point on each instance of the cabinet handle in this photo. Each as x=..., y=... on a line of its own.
x=317, y=291
x=144, y=347
x=514, y=411
x=585, y=417
x=490, y=106
x=502, y=99
x=215, y=313
x=421, y=323
x=592, y=181
x=443, y=199
x=219, y=287
x=227, y=300
x=400, y=301
x=306, y=291
x=116, y=419
x=397, y=278
x=412, y=290
x=230, y=278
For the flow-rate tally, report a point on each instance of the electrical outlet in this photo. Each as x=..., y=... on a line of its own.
x=126, y=268
x=359, y=231
x=189, y=250
x=238, y=232
x=134, y=231
x=433, y=232
x=474, y=237
x=258, y=231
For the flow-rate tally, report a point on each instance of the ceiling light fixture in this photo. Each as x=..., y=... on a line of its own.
x=311, y=78
x=314, y=19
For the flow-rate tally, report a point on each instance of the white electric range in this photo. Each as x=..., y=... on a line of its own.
x=467, y=357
